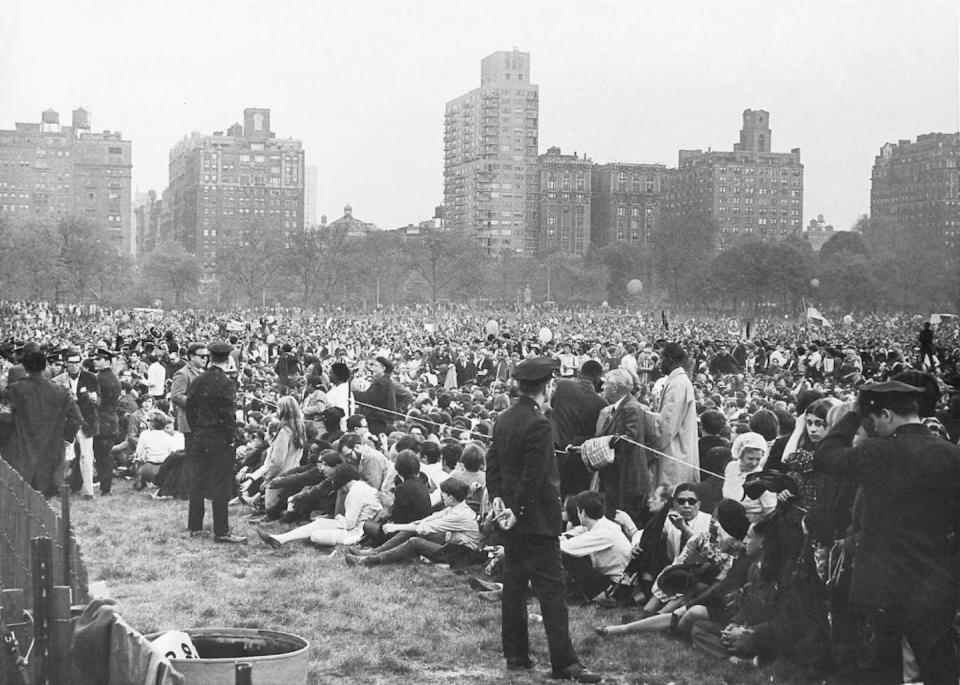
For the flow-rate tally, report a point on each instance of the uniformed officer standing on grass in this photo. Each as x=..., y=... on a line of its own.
x=905, y=574
x=210, y=414
x=524, y=485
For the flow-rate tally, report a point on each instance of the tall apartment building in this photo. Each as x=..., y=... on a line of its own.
x=748, y=191
x=224, y=186
x=147, y=222
x=915, y=192
x=310, y=211
x=48, y=171
x=490, y=179
x=563, y=206
x=627, y=202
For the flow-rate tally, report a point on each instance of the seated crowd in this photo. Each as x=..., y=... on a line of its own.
x=735, y=541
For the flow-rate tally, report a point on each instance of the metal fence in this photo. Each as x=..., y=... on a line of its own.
x=25, y=514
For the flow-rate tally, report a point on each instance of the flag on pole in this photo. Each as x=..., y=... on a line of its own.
x=815, y=317
x=663, y=317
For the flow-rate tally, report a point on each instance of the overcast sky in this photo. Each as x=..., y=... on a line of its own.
x=364, y=84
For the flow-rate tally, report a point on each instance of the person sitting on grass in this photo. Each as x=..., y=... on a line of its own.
x=711, y=552
x=596, y=552
x=749, y=450
x=320, y=498
x=454, y=526
x=154, y=445
x=471, y=472
x=718, y=604
x=360, y=504
x=408, y=501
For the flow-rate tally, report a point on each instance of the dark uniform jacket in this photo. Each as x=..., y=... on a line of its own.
x=210, y=413
x=910, y=514
x=109, y=396
x=522, y=469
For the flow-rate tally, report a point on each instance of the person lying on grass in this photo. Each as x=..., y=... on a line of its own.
x=717, y=604
x=455, y=525
x=360, y=504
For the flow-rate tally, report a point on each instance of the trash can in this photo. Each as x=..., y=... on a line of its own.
x=275, y=658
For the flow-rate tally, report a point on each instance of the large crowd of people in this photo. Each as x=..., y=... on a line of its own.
x=795, y=495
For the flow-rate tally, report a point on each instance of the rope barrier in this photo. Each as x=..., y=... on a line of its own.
x=622, y=437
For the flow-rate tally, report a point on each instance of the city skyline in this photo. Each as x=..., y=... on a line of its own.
x=364, y=86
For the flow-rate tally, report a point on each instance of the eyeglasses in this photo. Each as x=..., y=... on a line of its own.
x=816, y=423
x=687, y=500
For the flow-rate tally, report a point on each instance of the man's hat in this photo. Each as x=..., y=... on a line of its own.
x=536, y=369
x=104, y=352
x=872, y=394
x=220, y=348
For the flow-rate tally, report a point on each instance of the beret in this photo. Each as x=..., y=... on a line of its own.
x=536, y=369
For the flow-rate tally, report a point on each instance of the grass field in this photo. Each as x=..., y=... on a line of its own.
x=413, y=623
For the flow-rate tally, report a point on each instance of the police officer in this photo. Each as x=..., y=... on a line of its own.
x=905, y=580
x=524, y=485
x=210, y=414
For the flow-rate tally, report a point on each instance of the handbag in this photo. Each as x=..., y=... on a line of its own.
x=596, y=453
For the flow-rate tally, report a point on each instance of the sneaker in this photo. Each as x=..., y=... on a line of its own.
x=360, y=551
x=269, y=539
x=231, y=539
x=577, y=672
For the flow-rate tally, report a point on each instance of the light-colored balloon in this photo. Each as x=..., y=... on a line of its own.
x=814, y=282
x=492, y=327
x=635, y=286
x=546, y=335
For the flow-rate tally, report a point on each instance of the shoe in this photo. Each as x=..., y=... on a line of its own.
x=88, y=497
x=196, y=533
x=354, y=560
x=483, y=585
x=360, y=551
x=602, y=631
x=491, y=595
x=231, y=539
x=523, y=665
x=269, y=539
x=578, y=673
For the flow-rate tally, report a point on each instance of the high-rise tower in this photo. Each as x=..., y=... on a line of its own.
x=490, y=156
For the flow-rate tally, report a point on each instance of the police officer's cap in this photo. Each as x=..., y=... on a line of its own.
x=220, y=348
x=872, y=394
x=537, y=369
x=105, y=353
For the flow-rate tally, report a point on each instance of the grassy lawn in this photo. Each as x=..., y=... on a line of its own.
x=413, y=623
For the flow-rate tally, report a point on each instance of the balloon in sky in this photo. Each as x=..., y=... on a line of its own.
x=635, y=286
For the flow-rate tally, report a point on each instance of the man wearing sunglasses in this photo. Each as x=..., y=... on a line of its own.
x=197, y=356
x=85, y=390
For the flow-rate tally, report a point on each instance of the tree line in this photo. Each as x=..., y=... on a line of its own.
x=73, y=260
